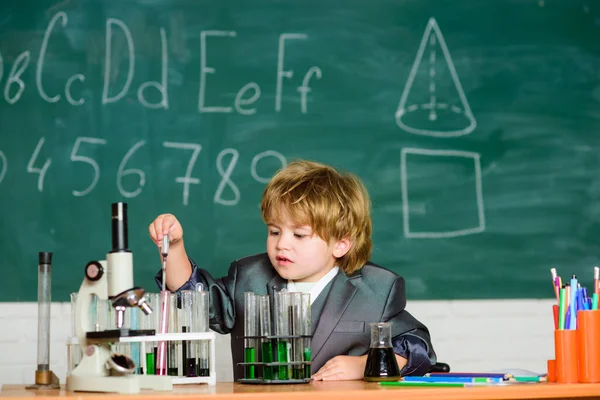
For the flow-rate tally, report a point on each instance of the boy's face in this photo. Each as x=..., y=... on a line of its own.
x=299, y=254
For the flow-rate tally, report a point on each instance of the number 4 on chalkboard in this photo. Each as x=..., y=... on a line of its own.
x=31, y=169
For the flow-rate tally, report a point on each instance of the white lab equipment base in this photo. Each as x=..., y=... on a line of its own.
x=132, y=383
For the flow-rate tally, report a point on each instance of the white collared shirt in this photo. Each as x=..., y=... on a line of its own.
x=314, y=288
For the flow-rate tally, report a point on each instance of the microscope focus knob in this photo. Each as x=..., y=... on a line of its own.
x=94, y=271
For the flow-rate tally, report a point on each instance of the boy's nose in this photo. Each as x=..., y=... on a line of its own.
x=283, y=243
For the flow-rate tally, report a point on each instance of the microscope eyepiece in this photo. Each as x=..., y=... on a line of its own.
x=119, y=227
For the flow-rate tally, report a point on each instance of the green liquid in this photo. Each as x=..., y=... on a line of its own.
x=267, y=357
x=307, y=366
x=249, y=356
x=282, y=356
x=298, y=372
x=150, y=363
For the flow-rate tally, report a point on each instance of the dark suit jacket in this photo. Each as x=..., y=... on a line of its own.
x=372, y=294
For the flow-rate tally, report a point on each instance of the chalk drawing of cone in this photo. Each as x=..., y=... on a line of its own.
x=433, y=102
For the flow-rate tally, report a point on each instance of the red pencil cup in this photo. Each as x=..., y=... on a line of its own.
x=551, y=371
x=565, y=348
x=588, y=343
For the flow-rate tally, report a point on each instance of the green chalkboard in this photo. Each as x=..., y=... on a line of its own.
x=474, y=124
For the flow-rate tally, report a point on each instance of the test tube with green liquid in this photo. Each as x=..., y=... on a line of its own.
x=264, y=314
x=307, y=331
x=250, y=329
x=297, y=329
x=282, y=303
x=152, y=322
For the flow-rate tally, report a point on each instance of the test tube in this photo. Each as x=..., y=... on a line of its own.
x=73, y=297
x=250, y=320
x=202, y=323
x=150, y=322
x=44, y=302
x=161, y=356
x=307, y=332
x=282, y=303
x=188, y=352
x=173, y=363
x=74, y=354
x=264, y=315
x=133, y=314
x=297, y=330
x=104, y=315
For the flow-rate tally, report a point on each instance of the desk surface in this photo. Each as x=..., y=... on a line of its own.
x=347, y=390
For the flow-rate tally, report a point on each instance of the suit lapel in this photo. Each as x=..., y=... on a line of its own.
x=338, y=299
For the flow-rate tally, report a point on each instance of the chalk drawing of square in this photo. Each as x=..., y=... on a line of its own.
x=477, y=227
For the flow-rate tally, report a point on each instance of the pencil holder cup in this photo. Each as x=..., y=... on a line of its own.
x=565, y=348
x=588, y=344
x=551, y=371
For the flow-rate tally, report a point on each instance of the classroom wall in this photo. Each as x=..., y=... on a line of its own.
x=469, y=335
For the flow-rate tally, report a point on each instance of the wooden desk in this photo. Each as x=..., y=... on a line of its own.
x=349, y=390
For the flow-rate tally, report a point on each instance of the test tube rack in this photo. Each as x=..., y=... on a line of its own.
x=170, y=337
x=275, y=365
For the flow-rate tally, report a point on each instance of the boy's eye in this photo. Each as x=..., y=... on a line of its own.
x=273, y=233
x=299, y=235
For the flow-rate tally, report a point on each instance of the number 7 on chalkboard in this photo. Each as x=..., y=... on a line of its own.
x=187, y=179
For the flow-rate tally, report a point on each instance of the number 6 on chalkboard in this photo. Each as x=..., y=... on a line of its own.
x=124, y=172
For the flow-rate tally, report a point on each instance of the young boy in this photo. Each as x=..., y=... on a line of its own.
x=319, y=241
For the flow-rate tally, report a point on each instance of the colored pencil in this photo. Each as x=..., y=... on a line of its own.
x=425, y=384
x=450, y=379
x=471, y=374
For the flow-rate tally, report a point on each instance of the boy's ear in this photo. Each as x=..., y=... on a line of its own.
x=342, y=247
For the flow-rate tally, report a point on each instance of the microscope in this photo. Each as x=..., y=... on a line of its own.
x=101, y=369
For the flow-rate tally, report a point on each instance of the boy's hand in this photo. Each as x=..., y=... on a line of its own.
x=165, y=224
x=342, y=368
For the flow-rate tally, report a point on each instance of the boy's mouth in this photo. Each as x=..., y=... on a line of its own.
x=283, y=259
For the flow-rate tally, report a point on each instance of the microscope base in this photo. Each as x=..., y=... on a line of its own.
x=119, y=384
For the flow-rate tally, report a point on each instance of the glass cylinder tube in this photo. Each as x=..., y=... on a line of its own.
x=133, y=315
x=74, y=354
x=73, y=297
x=250, y=329
x=188, y=324
x=282, y=318
x=307, y=332
x=202, y=325
x=150, y=322
x=44, y=302
x=297, y=330
x=163, y=327
x=173, y=363
x=264, y=316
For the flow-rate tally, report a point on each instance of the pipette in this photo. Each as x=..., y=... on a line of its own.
x=164, y=250
x=164, y=310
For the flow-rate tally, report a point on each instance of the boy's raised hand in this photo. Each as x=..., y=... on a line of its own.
x=165, y=224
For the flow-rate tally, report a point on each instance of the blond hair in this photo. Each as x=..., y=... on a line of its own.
x=335, y=205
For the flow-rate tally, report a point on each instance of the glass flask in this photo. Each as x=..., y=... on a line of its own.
x=381, y=360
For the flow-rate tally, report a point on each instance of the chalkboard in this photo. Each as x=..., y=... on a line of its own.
x=475, y=125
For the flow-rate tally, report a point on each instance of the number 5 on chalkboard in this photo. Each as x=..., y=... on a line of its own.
x=77, y=158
